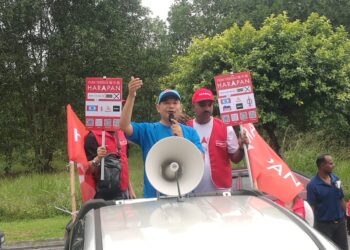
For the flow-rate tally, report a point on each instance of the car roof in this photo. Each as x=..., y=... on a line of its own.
x=240, y=221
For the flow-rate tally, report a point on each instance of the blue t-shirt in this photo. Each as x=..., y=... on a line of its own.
x=147, y=134
x=325, y=198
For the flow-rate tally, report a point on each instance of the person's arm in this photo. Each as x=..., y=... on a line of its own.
x=90, y=146
x=343, y=204
x=96, y=161
x=125, y=119
x=94, y=153
x=310, y=197
x=238, y=155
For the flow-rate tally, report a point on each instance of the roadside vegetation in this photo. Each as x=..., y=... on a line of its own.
x=29, y=204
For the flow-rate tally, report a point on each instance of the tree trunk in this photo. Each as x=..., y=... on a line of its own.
x=270, y=130
x=8, y=160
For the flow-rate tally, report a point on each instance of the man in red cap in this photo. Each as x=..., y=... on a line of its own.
x=219, y=142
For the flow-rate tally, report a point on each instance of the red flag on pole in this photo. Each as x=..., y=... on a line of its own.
x=77, y=131
x=269, y=172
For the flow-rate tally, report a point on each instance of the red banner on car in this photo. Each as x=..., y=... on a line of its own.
x=269, y=172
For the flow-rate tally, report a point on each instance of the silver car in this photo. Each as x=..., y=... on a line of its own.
x=242, y=219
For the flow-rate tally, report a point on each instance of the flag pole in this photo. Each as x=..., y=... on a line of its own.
x=103, y=159
x=246, y=159
x=72, y=190
x=103, y=144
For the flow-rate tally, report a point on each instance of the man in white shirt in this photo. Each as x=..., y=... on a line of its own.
x=219, y=142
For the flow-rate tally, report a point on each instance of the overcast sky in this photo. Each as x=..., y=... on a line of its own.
x=158, y=7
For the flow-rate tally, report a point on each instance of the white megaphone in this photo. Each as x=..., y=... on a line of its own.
x=174, y=166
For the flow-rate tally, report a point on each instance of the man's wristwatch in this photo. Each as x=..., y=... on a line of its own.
x=95, y=163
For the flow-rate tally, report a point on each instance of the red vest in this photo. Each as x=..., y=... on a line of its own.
x=298, y=207
x=221, y=169
x=112, y=147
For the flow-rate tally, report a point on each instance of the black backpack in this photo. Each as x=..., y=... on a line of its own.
x=109, y=188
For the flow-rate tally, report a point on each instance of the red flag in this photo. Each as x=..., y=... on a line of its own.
x=77, y=131
x=269, y=172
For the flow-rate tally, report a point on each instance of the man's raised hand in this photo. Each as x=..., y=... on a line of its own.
x=134, y=85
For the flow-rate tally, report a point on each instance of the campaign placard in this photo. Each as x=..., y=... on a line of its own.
x=236, y=98
x=103, y=103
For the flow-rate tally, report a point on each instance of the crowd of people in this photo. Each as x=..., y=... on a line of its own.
x=325, y=208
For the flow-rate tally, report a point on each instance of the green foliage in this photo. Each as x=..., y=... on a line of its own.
x=199, y=18
x=301, y=150
x=49, y=47
x=300, y=70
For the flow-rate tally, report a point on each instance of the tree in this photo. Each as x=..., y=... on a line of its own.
x=300, y=69
x=48, y=48
x=182, y=25
x=198, y=18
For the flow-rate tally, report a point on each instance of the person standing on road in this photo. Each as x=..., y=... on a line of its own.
x=219, y=142
x=148, y=134
x=326, y=197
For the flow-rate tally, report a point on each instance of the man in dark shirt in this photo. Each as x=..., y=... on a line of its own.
x=326, y=197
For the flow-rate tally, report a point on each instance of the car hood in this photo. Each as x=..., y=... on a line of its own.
x=243, y=222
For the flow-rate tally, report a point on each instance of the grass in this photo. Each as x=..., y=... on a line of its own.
x=27, y=207
x=34, y=196
x=136, y=170
x=36, y=229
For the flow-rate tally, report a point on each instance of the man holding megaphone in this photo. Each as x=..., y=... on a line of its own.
x=147, y=134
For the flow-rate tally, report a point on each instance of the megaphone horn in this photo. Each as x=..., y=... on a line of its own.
x=174, y=163
x=171, y=171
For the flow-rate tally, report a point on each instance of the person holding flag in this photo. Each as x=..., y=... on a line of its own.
x=219, y=142
x=115, y=143
x=84, y=149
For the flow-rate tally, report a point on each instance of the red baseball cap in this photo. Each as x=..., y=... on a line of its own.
x=202, y=95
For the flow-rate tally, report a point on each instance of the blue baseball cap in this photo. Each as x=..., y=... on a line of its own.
x=168, y=93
